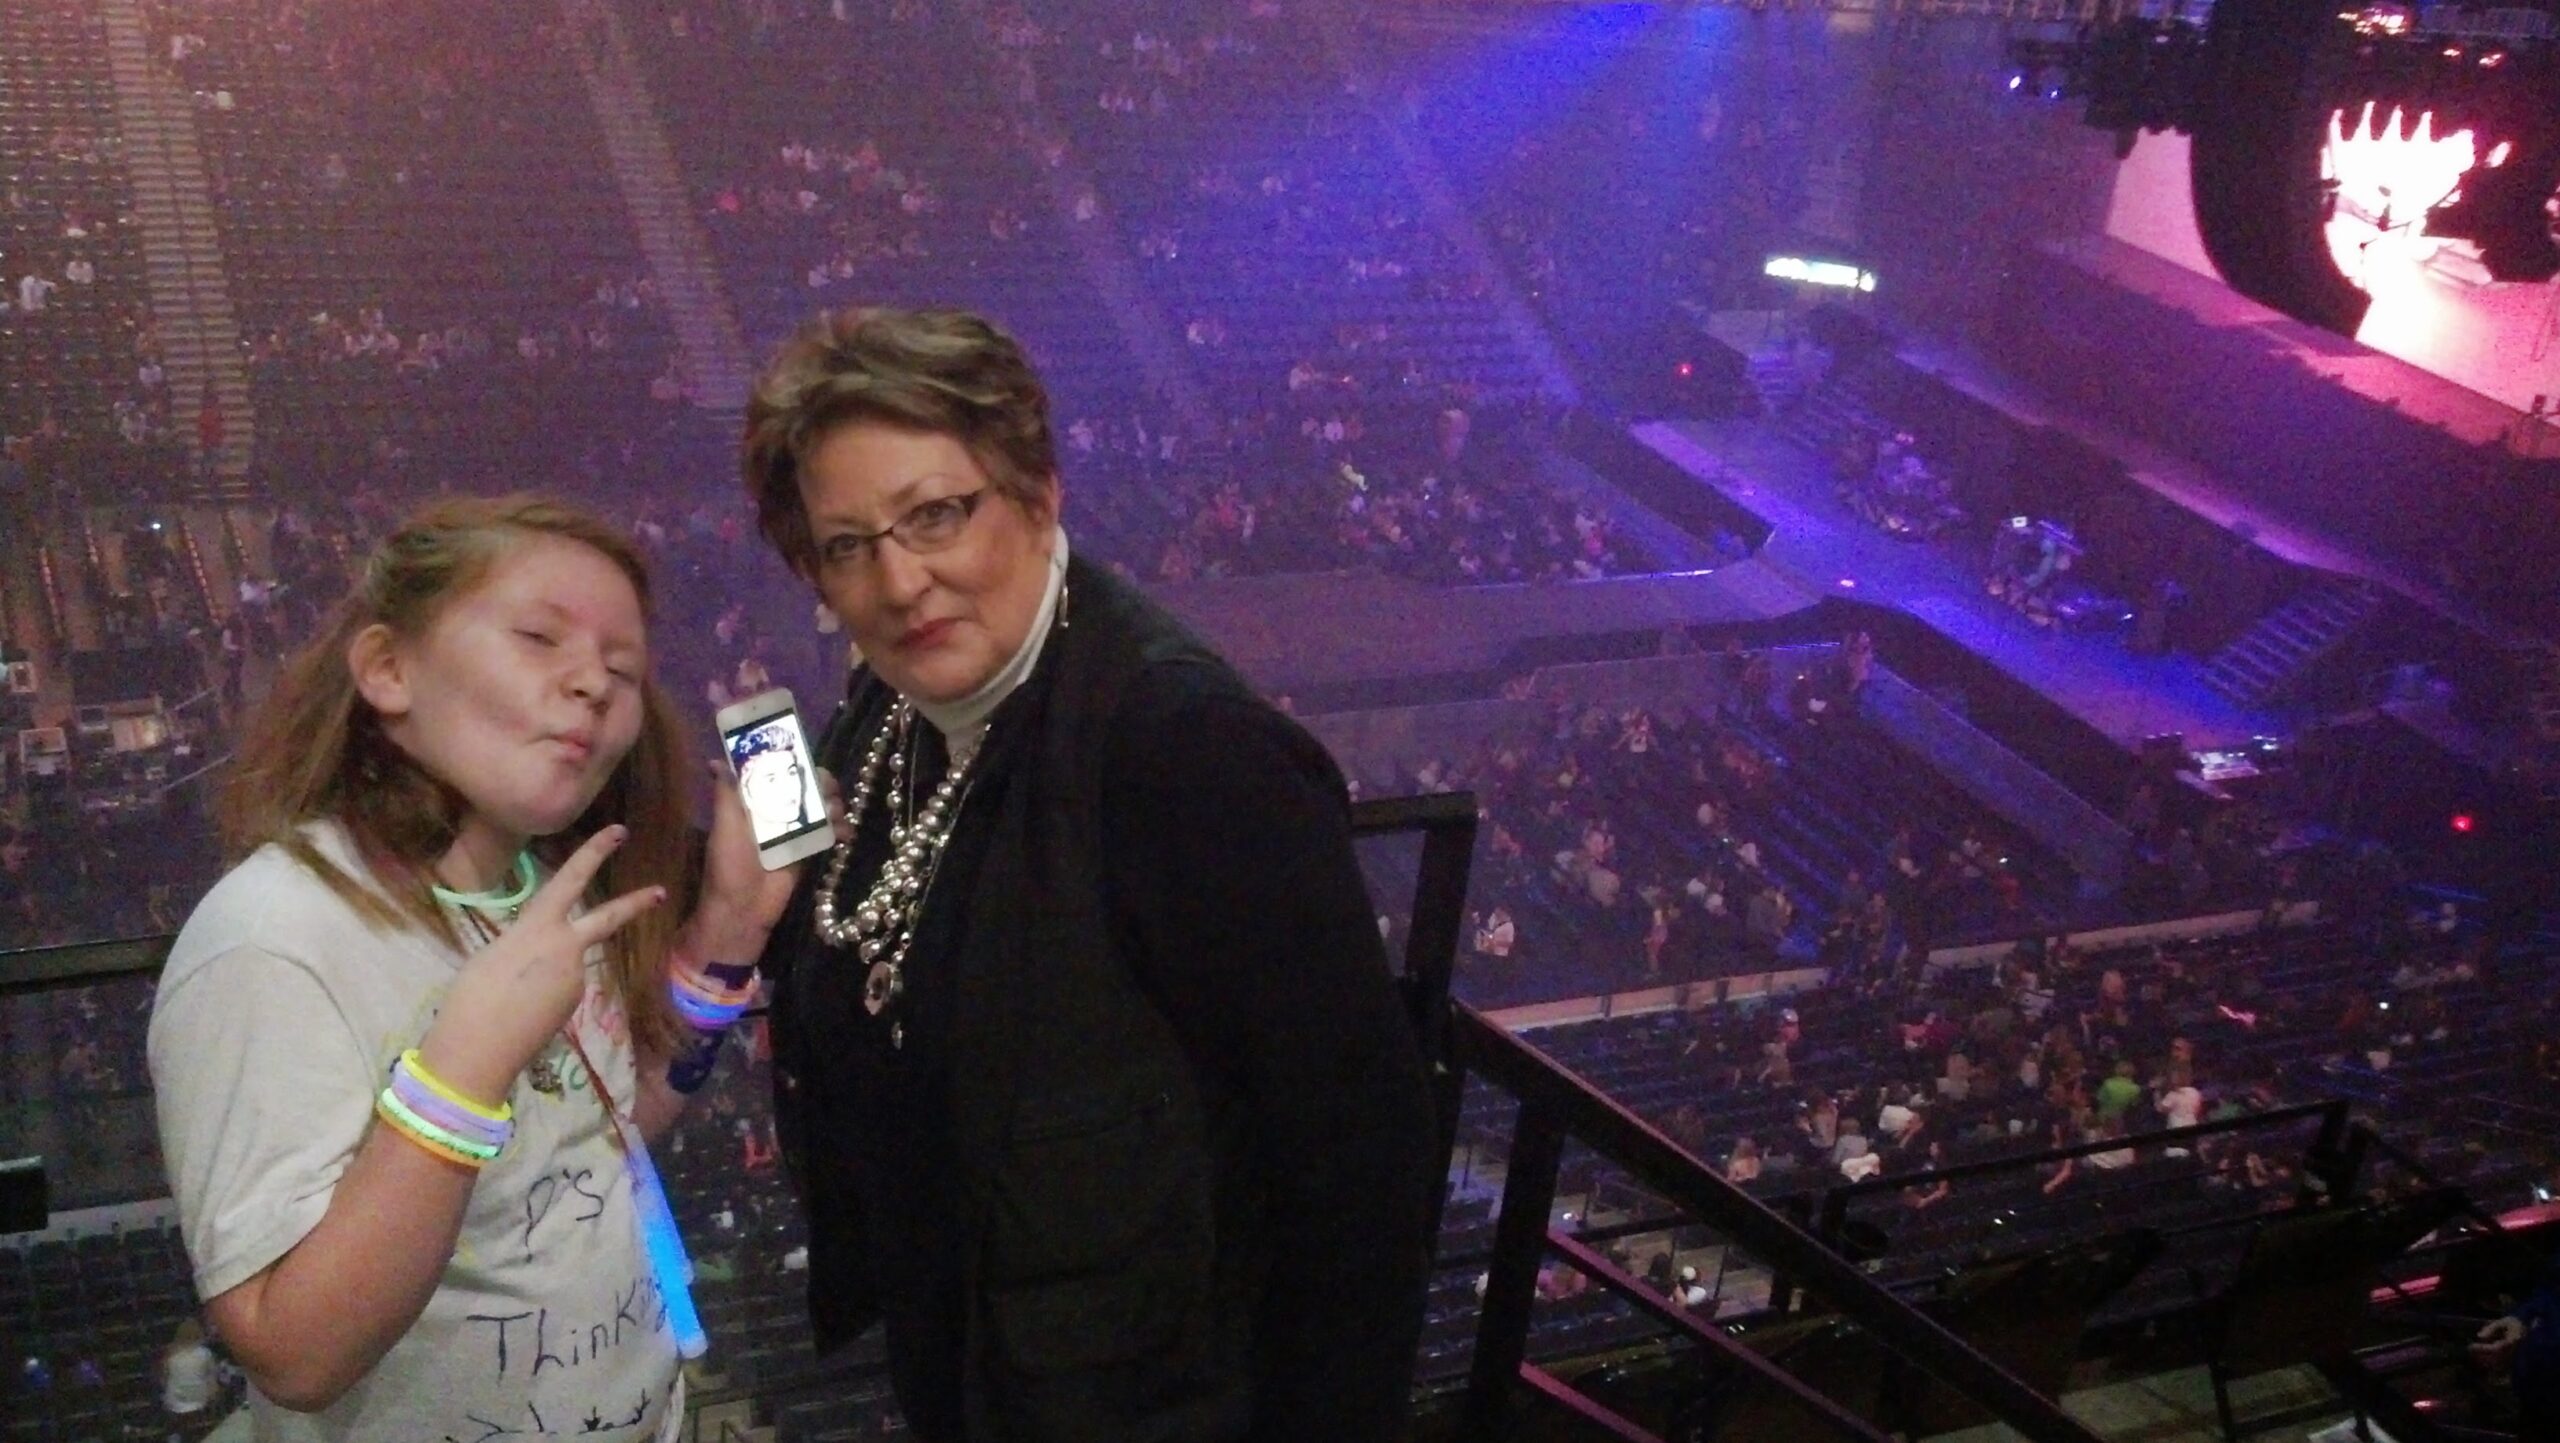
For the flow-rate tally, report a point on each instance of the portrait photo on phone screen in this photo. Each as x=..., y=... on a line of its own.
x=776, y=779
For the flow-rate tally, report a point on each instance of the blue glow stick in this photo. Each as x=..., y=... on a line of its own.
x=665, y=1246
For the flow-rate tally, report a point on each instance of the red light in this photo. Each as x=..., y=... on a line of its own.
x=2463, y=822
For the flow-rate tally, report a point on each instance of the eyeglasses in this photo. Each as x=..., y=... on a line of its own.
x=925, y=529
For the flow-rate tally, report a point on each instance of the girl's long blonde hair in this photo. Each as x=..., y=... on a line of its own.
x=315, y=751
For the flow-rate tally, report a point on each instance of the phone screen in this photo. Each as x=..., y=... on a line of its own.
x=777, y=777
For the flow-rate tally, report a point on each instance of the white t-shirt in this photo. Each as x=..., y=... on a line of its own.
x=2182, y=1106
x=276, y=1024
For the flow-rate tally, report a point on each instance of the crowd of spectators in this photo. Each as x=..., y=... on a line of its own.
x=2050, y=1047
x=1333, y=426
x=366, y=336
x=421, y=233
x=1889, y=1078
x=49, y=280
x=1857, y=1100
x=1630, y=846
x=1262, y=200
x=84, y=386
x=881, y=193
x=849, y=209
x=1329, y=482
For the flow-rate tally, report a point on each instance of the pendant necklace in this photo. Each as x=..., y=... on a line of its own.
x=882, y=929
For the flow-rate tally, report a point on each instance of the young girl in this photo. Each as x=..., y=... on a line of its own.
x=391, y=1045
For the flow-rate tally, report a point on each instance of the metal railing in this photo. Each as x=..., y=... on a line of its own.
x=81, y=964
x=2331, y=1157
x=1555, y=1105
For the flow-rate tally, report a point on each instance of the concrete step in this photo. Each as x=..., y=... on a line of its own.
x=204, y=532
x=181, y=241
x=2249, y=651
x=2238, y=681
x=2301, y=628
x=2246, y=654
x=2246, y=663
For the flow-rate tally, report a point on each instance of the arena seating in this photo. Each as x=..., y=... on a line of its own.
x=1676, y=1070
x=1265, y=201
x=980, y=231
x=1327, y=305
x=384, y=176
x=69, y=371
x=435, y=174
x=1816, y=803
x=96, y=1311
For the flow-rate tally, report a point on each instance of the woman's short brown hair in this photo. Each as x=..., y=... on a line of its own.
x=947, y=371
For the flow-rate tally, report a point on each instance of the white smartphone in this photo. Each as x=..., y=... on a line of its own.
x=777, y=777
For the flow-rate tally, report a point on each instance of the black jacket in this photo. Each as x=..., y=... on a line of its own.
x=1180, y=1189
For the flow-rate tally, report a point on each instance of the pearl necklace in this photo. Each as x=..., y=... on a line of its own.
x=883, y=928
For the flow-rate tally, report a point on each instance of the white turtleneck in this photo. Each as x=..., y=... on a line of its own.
x=958, y=721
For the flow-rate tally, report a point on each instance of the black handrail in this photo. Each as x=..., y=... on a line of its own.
x=2332, y=1160
x=1447, y=822
x=81, y=964
x=2332, y=1112
x=2366, y=1137
x=1705, y=1334
x=1804, y=1196
x=1555, y=1103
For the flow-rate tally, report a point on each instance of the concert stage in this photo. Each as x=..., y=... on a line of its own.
x=1824, y=550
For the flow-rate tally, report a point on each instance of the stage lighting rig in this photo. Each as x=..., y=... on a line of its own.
x=2145, y=74
x=2137, y=71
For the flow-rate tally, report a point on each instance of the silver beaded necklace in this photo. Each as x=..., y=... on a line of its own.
x=883, y=929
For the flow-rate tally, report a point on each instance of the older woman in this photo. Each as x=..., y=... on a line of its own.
x=1088, y=1060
